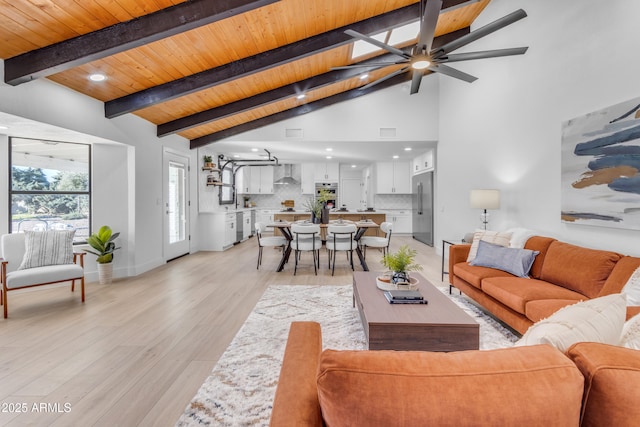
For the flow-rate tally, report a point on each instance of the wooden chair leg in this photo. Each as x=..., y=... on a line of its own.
x=82, y=287
x=73, y=285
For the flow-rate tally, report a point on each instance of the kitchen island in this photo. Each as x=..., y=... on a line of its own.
x=376, y=217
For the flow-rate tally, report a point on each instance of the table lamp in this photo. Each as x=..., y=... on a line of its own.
x=485, y=199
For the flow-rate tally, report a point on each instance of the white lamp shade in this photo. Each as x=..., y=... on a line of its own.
x=485, y=199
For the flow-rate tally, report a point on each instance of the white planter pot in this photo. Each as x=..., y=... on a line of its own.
x=105, y=273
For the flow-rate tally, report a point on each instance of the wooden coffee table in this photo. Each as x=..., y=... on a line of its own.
x=439, y=325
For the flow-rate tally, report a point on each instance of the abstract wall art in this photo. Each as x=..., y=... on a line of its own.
x=601, y=167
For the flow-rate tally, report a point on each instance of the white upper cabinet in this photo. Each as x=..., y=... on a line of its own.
x=327, y=172
x=255, y=180
x=423, y=163
x=308, y=178
x=393, y=178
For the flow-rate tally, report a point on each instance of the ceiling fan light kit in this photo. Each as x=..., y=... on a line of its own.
x=425, y=58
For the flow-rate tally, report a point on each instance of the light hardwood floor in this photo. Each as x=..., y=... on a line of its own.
x=136, y=352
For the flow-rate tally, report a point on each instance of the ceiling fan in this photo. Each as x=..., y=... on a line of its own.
x=423, y=57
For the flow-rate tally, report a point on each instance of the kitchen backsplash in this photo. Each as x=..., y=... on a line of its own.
x=392, y=201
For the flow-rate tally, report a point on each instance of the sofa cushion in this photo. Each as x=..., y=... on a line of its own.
x=495, y=237
x=597, y=320
x=475, y=274
x=543, y=308
x=630, y=337
x=516, y=292
x=579, y=269
x=51, y=247
x=398, y=388
x=540, y=244
x=611, y=392
x=512, y=260
x=620, y=275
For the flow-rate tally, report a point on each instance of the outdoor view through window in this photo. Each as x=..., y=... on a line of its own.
x=50, y=186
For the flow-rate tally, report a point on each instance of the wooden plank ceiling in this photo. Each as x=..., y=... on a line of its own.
x=206, y=69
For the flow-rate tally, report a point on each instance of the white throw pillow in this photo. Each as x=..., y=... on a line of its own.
x=632, y=288
x=595, y=320
x=519, y=236
x=495, y=237
x=51, y=247
x=631, y=333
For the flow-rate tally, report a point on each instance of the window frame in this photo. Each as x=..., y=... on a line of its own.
x=88, y=192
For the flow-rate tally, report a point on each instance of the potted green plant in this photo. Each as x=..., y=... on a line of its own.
x=315, y=207
x=104, y=246
x=401, y=263
x=208, y=162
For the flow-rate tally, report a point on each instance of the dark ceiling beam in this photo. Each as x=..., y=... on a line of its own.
x=263, y=61
x=285, y=92
x=123, y=36
x=298, y=111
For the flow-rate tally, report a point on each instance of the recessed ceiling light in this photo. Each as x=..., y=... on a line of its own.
x=254, y=149
x=4, y=127
x=364, y=76
x=301, y=96
x=328, y=149
x=396, y=156
x=97, y=77
x=407, y=148
x=353, y=166
x=329, y=157
x=236, y=155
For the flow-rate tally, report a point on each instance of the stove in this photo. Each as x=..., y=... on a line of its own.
x=288, y=210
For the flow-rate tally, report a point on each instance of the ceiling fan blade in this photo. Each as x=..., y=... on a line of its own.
x=428, y=24
x=480, y=32
x=369, y=65
x=452, y=72
x=416, y=79
x=456, y=57
x=387, y=77
x=375, y=42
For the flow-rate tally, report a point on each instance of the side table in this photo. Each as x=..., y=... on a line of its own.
x=443, y=272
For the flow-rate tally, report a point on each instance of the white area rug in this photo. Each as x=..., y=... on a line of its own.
x=240, y=389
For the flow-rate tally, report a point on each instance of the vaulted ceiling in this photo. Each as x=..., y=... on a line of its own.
x=208, y=69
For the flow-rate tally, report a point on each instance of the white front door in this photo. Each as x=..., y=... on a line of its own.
x=176, y=205
x=351, y=192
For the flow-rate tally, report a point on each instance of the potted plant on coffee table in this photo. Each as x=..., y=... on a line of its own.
x=401, y=263
x=104, y=245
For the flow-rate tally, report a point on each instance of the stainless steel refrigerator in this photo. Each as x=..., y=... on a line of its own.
x=422, y=207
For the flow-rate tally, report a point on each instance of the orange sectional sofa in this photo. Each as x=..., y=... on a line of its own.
x=562, y=274
x=592, y=385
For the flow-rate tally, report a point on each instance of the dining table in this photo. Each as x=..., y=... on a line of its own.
x=285, y=229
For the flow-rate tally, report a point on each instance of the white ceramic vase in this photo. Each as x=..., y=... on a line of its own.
x=105, y=273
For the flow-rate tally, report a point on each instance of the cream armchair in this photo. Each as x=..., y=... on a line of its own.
x=13, y=277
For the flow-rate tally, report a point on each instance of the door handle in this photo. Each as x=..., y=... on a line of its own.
x=419, y=198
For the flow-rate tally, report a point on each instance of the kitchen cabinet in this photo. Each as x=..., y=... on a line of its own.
x=308, y=178
x=423, y=163
x=229, y=229
x=401, y=220
x=327, y=172
x=254, y=180
x=393, y=178
x=246, y=225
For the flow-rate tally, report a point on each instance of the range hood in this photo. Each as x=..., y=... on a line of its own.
x=287, y=178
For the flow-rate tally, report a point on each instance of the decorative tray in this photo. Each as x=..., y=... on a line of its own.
x=388, y=286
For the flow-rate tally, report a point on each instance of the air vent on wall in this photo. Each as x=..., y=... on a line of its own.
x=293, y=133
x=387, y=132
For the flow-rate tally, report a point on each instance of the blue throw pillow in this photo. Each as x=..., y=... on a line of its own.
x=512, y=260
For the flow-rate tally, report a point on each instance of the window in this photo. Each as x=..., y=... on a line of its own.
x=50, y=186
x=397, y=37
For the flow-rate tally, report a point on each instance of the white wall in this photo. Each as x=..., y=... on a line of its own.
x=415, y=118
x=127, y=179
x=503, y=131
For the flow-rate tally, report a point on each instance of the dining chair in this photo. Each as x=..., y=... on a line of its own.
x=306, y=238
x=271, y=241
x=378, y=241
x=341, y=238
